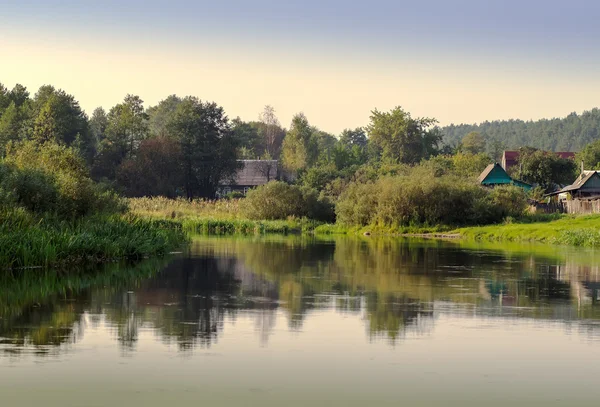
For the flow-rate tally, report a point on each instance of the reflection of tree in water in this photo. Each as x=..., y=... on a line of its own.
x=43, y=328
x=393, y=316
x=394, y=284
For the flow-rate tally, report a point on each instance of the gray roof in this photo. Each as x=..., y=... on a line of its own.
x=579, y=182
x=255, y=172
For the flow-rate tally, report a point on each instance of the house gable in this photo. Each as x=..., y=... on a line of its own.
x=494, y=174
x=592, y=184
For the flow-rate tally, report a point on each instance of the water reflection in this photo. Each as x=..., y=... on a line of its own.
x=397, y=287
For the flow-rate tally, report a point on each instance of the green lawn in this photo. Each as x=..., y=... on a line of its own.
x=569, y=229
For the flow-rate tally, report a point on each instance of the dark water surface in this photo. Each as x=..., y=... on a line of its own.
x=300, y=322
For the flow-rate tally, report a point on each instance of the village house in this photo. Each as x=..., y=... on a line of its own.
x=511, y=158
x=587, y=186
x=252, y=174
x=495, y=175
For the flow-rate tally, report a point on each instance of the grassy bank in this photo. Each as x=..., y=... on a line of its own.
x=218, y=217
x=564, y=230
x=29, y=241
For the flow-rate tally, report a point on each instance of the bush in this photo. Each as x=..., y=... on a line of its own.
x=426, y=200
x=278, y=200
x=53, y=178
x=509, y=201
x=31, y=189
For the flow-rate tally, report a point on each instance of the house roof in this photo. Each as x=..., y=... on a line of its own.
x=486, y=172
x=579, y=182
x=255, y=172
x=514, y=155
x=498, y=176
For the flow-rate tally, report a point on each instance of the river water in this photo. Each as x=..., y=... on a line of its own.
x=291, y=321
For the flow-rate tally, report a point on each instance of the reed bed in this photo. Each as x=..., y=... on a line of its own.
x=26, y=241
x=180, y=208
x=214, y=217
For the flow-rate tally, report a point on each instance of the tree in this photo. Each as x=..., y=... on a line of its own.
x=473, y=143
x=545, y=169
x=59, y=118
x=590, y=155
x=98, y=124
x=155, y=169
x=401, y=138
x=160, y=115
x=249, y=139
x=127, y=125
x=300, y=149
x=4, y=98
x=271, y=130
x=11, y=122
x=356, y=137
x=208, y=146
x=470, y=165
x=19, y=95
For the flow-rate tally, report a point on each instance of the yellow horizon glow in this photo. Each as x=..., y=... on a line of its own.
x=333, y=93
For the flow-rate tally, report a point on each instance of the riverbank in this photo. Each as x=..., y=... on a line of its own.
x=564, y=230
x=28, y=241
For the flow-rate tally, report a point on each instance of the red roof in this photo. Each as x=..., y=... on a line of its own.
x=514, y=155
x=511, y=155
x=566, y=154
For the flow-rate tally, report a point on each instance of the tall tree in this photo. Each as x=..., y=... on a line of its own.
x=355, y=137
x=249, y=139
x=19, y=95
x=545, y=169
x=160, y=115
x=4, y=98
x=299, y=147
x=590, y=155
x=473, y=143
x=11, y=122
x=59, y=118
x=208, y=146
x=271, y=131
x=155, y=169
x=128, y=125
x=98, y=124
x=401, y=138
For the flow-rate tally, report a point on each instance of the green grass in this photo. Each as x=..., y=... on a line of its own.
x=211, y=226
x=28, y=241
x=380, y=230
x=564, y=230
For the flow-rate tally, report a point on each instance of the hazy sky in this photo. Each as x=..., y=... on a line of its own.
x=457, y=61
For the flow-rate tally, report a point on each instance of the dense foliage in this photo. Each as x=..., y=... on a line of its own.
x=403, y=200
x=396, y=170
x=571, y=133
x=278, y=200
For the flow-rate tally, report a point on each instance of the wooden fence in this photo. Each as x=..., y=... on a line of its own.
x=582, y=206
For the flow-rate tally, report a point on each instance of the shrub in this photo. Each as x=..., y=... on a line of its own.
x=274, y=200
x=426, y=200
x=54, y=178
x=31, y=189
x=278, y=200
x=510, y=200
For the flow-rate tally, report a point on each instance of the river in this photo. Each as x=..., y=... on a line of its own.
x=298, y=321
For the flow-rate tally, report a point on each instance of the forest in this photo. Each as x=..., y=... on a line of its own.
x=570, y=133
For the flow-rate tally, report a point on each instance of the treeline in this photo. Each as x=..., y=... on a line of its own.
x=570, y=133
x=185, y=147
x=396, y=170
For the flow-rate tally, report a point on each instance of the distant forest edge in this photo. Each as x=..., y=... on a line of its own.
x=570, y=133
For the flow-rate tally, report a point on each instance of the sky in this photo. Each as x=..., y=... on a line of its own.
x=461, y=61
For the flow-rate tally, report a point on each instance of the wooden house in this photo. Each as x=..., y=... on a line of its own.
x=251, y=174
x=587, y=185
x=495, y=175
